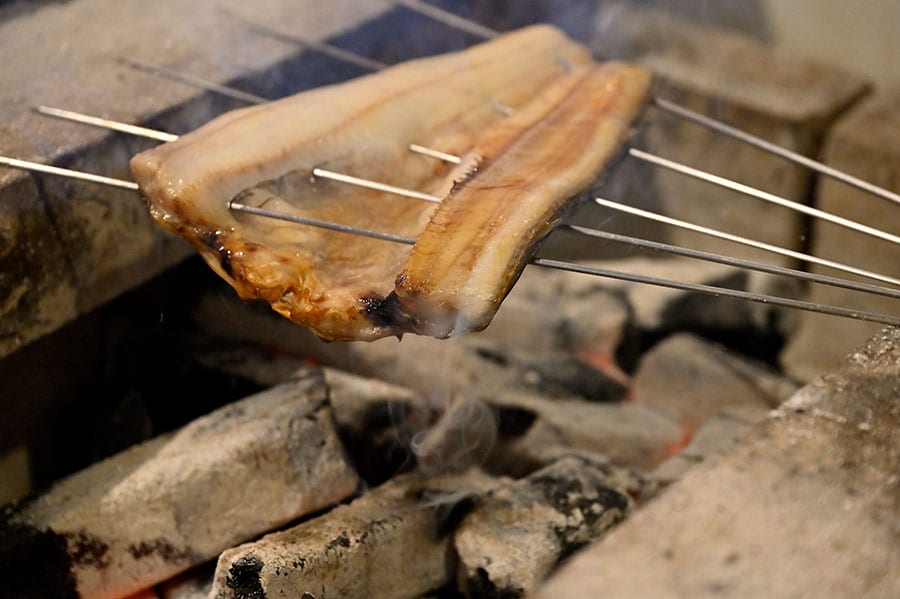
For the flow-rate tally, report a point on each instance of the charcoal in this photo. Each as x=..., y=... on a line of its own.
x=692, y=380
x=629, y=434
x=164, y=506
x=715, y=435
x=517, y=533
x=391, y=542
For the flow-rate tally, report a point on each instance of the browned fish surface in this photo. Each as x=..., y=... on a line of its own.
x=569, y=117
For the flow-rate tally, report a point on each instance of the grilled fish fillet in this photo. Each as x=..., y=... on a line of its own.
x=569, y=115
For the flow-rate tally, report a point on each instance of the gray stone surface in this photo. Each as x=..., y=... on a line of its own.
x=864, y=143
x=161, y=507
x=692, y=380
x=517, y=533
x=66, y=247
x=733, y=78
x=805, y=506
x=391, y=542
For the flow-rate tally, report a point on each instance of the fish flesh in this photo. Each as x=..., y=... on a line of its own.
x=563, y=118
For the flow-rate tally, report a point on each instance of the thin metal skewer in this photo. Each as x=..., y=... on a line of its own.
x=321, y=224
x=718, y=291
x=736, y=262
x=545, y=262
x=193, y=81
x=369, y=184
x=471, y=26
x=448, y=18
x=106, y=123
x=668, y=220
x=317, y=172
x=321, y=47
x=65, y=172
x=444, y=156
x=378, y=186
x=762, y=195
x=768, y=146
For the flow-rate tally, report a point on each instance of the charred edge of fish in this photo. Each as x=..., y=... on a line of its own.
x=211, y=239
x=385, y=312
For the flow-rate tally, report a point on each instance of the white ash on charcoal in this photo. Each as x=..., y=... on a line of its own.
x=628, y=433
x=541, y=399
x=465, y=435
x=804, y=506
x=159, y=508
x=193, y=584
x=517, y=533
x=552, y=309
x=777, y=96
x=655, y=312
x=692, y=380
x=394, y=541
x=715, y=436
x=377, y=422
x=866, y=143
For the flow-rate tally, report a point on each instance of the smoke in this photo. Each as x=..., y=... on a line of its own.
x=464, y=436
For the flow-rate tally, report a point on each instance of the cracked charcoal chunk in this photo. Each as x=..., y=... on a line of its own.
x=570, y=116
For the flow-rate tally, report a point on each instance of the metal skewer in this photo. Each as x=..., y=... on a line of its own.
x=193, y=81
x=545, y=262
x=87, y=119
x=377, y=186
x=403, y=192
x=64, y=172
x=449, y=18
x=768, y=146
x=731, y=261
x=744, y=241
x=304, y=42
x=762, y=195
x=470, y=26
x=444, y=156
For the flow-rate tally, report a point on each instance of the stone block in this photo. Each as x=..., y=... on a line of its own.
x=779, y=97
x=159, y=508
x=392, y=542
x=866, y=144
x=804, y=506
